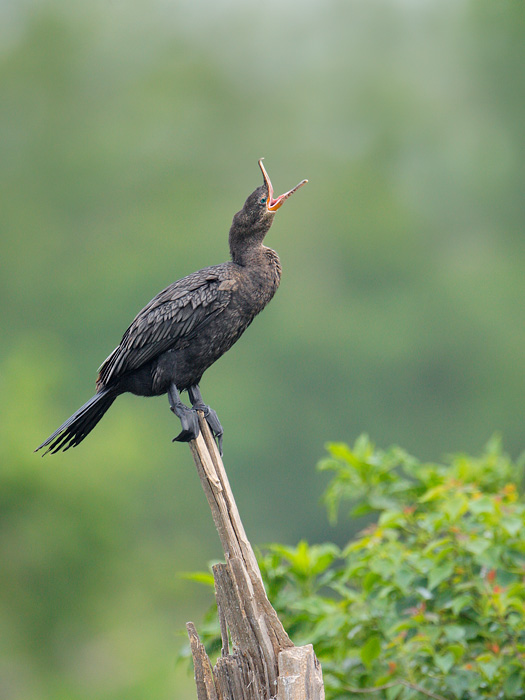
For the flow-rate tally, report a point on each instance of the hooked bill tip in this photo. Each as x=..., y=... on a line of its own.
x=272, y=203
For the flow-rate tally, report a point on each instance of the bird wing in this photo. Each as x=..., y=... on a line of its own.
x=176, y=314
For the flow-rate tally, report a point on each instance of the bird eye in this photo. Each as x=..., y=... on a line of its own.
x=263, y=200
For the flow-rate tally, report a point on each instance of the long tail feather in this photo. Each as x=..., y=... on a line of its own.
x=74, y=430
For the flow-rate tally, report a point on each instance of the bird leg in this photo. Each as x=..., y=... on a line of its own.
x=188, y=416
x=211, y=416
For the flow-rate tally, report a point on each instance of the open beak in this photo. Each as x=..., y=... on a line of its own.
x=272, y=203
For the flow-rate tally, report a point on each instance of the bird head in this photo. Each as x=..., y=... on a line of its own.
x=256, y=216
x=274, y=203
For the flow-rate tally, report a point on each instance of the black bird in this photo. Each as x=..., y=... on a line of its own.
x=189, y=325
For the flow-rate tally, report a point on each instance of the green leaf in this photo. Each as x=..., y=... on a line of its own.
x=437, y=544
x=485, y=504
x=394, y=692
x=369, y=580
x=391, y=518
x=424, y=593
x=434, y=493
x=511, y=525
x=440, y=573
x=199, y=576
x=457, y=650
x=455, y=506
x=371, y=650
x=461, y=602
x=477, y=546
x=454, y=633
x=488, y=666
x=444, y=661
x=514, y=683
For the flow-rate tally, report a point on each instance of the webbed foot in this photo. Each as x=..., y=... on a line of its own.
x=211, y=416
x=212, y=419
x=188, y=417
x=190, y=424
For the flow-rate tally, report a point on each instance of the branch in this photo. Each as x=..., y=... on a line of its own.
x=264, y=664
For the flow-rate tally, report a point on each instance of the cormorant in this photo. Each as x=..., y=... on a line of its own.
x=189, y=325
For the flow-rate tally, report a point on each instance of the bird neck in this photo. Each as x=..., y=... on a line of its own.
x=246, y=242
x=250, y=254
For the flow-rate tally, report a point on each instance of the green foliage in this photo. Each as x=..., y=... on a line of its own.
x=430, y=596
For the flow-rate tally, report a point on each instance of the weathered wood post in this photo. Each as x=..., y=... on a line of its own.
x=263, y=663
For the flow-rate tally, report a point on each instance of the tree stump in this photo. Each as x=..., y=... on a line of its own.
x=263, y=663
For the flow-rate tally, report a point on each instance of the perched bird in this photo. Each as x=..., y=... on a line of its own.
x=186, y=327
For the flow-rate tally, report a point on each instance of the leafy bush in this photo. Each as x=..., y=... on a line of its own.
x=429, y=599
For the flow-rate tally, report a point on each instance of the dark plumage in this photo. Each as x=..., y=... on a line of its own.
x=187, y=326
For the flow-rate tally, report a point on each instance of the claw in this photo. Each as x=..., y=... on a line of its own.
x=219, y=443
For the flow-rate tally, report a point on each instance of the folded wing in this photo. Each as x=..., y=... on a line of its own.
x=174, y=316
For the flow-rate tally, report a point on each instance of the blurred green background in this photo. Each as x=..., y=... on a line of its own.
x=130, y=134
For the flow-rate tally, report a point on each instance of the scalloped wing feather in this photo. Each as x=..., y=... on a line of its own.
x=176, y=314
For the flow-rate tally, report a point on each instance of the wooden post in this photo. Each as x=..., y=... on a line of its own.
x=263, y=663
